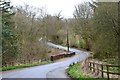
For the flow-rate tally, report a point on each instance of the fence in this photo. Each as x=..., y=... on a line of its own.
x=103, y=68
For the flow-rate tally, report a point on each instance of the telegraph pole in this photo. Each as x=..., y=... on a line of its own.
x=67, y=35
x=67, y=41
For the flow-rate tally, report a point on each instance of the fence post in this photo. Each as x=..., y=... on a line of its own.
x=93, y=67
x=51, y=58
x=97, y=67
x=90, y=66
x=23, y=61
x=12, y=63
x=29, y=61
x=102, y=71
x=107, y=72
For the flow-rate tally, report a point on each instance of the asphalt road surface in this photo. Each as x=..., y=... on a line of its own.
x=52, y=70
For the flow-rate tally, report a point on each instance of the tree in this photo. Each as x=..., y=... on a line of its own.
x=105, y=31
x=29, y=26
x=9, y=36
x=83, y=11
x=83, y=14
x=53, y=25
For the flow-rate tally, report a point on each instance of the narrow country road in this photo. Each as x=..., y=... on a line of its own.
x=52, y=70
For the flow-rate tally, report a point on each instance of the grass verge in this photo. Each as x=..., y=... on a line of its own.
x=75, y=72
x=24, y=65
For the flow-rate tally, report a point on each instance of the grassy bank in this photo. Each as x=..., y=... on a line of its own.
x=75, y=72
x=24, y=65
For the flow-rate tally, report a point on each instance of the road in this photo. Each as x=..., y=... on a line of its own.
x=52, y=70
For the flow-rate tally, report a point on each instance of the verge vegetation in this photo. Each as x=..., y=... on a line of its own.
x=75, y=71
x=24, y=65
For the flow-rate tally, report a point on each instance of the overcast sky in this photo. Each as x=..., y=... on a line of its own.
x=53, y=6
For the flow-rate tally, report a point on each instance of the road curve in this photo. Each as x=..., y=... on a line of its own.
x=52, y=70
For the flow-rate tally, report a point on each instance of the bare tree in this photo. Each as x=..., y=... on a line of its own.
x=83, y=11
x=28, y=22
x=83, y=14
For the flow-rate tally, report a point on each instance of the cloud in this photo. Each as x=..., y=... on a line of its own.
x=53, y=6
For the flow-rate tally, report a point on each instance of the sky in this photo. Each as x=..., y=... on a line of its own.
x=53, y=7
